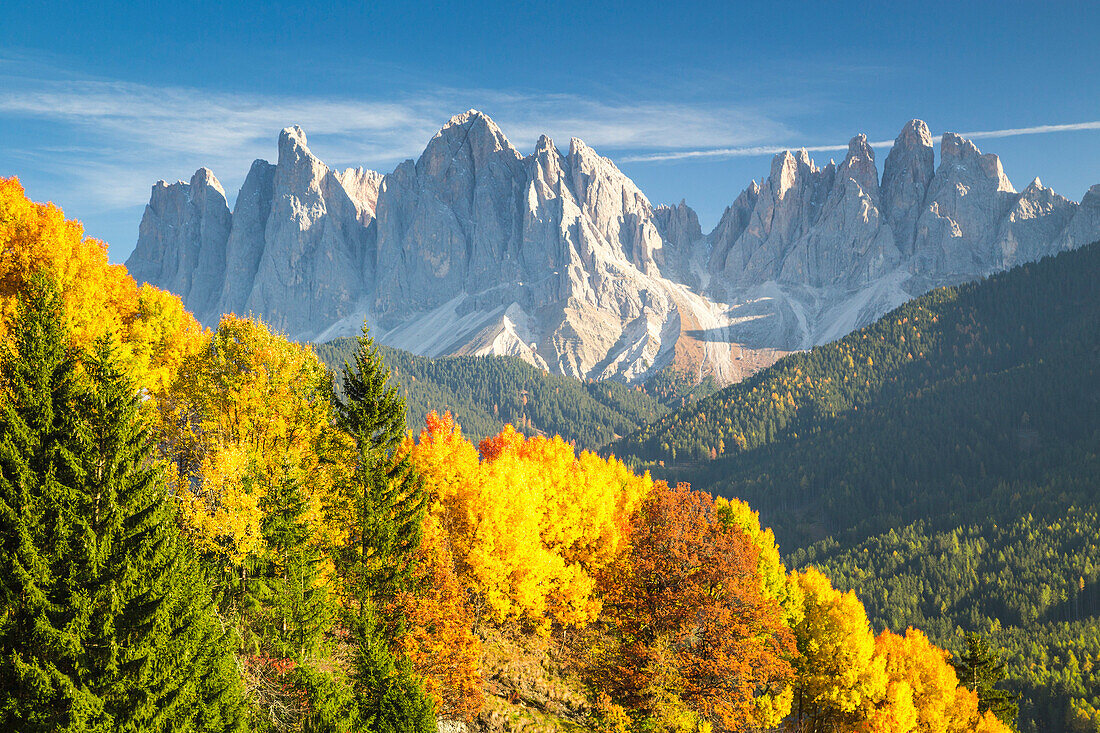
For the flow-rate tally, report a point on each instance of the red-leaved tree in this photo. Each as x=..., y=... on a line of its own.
x=692, y=627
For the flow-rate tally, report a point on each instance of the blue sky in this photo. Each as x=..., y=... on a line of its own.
x=100, y=100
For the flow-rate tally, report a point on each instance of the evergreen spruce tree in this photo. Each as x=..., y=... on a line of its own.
x=391, y=697
x=42, y=653
x=296, y=608
x=980, y=669
x=165, y=664
x=390, y=515
x=106, y=622
x=391, y=499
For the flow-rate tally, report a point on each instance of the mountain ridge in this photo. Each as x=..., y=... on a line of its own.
x=558, y=258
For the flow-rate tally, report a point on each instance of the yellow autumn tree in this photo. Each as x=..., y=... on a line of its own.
x=531, y=522
x=154, y=333
x=923, y=692
x=838, y=677
x=249, y=409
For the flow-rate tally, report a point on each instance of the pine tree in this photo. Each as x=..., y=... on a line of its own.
x=298, y=608
x=392, y=501
x=106, y=625
x=980, y=668
x=391, y=697
x=166, y=663
x=391, y=512
x=42, y=657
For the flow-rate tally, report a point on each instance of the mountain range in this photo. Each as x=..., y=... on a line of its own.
x=558, y=258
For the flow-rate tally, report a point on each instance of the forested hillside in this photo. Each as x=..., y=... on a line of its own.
x=945, y=461
x=966, y=401
x=1031, y=586
x=485, y=393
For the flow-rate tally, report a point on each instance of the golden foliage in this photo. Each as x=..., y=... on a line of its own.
x=838, y=678
x=250, y=409
x=154, y=332
x=923, y=692
x=531, y=523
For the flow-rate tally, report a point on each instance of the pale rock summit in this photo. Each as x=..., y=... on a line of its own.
x=182, y=238
x=246, y=239
x=1085, y=223
x=311, y=270
x=906, y=175
x=965, y=204
x=1035, y=222
x=559, y=259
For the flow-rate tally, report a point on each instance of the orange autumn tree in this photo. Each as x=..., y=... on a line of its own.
x=438, y=639
x=153, y=330
x=775, y=584
x=531, y=522
x=693, y=627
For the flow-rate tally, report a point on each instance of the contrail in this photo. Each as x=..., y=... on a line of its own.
x=773, y=149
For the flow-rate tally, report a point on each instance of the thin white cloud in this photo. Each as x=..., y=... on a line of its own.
x=757, y=150
x=114, y=139
x=1037, y=130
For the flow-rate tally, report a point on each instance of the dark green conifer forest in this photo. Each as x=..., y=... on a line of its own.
x=486, y=392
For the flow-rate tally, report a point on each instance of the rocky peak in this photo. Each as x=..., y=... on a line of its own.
x=859, y=166
x=963, y=155
x=966, y=203
x=1084, y=227
x=548, y=159
x=906, y=175
x=362, y=187
x=181, y=240
x=205, y=179
x=246, y=238
x=292, y=143
x=788, y=170
x=913, y=136
x=1034, y=222
x=471, y=136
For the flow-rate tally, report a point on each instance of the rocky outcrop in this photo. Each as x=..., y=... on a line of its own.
x=906, y=175
x=182, y=238
x=246, y=239
x=1084, y=226
x=845, y=243
x=967, y=201
x=311, y=270
x=559, y=259
x=684, y=253
x=1033, y=227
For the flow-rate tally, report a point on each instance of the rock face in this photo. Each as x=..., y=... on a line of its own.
x=558, y=258
x=906, y=175
x=182, y=239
